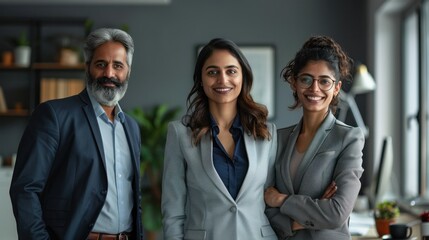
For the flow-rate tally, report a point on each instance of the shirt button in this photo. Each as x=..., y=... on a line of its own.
x=233, y=209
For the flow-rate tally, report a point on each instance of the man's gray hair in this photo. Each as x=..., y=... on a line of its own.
x=103, y=35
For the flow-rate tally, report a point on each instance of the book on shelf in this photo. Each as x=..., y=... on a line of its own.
x=54, y=88
x=3, y=106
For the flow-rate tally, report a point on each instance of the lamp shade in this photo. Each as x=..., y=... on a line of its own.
x=363, y=81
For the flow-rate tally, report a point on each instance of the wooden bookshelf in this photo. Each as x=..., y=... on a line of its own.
x=57, y=66
x=15, y=113
x=45, y=66
x=12, y=67
x=22, y=86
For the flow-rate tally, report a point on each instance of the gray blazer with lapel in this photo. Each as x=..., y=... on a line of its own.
x=334, y=154
x=196, y=203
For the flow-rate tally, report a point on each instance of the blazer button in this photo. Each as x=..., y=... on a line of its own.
x=104, y=192
x=233, y=209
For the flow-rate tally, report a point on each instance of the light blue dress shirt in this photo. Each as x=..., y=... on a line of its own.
x=116, y=214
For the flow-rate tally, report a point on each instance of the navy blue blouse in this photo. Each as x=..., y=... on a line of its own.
x=231, y=171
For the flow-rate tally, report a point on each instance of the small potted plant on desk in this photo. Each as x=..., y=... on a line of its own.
x=386, y=212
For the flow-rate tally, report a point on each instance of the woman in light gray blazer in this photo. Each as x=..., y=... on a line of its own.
x=218, y=159
x=318, y=150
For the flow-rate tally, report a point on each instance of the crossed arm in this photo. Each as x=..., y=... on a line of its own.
x=274, y=198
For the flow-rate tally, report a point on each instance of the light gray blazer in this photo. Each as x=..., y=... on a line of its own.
x=334, y=154
x=196, y=203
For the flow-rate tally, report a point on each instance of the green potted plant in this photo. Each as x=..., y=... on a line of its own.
x=22, y=51
x=153, y=129
x=385, y=213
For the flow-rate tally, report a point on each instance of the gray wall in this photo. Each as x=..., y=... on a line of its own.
x=166, y=37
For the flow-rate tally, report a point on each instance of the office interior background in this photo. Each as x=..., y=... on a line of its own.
x=389, y=36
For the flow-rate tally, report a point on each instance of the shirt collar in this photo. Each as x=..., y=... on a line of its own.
x=99, y=111
x=236, y=125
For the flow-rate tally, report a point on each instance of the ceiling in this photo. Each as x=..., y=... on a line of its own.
x=148, y=2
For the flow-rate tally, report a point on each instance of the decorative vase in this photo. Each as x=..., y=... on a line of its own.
x=382, y=226
x=7, y=58
x=68, y=57
x=22, y=56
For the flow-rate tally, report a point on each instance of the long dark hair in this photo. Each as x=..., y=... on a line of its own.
x=253, y=116
x=320, y=48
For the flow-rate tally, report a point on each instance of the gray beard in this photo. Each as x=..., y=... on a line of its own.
x=106, y=96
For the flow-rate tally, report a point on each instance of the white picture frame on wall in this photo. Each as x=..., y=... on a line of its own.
x=261, y=60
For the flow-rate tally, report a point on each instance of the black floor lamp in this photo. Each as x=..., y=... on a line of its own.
x=362, y=83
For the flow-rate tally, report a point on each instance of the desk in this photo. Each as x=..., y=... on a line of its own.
x=403, y=218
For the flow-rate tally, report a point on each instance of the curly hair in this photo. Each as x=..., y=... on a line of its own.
x=315, y=49
x=253, y=116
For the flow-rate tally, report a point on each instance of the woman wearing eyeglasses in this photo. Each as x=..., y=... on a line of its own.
x=316, y=151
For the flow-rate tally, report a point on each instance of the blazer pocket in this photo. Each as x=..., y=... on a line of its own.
x=325, y=154
x=56, y=211
x=195, y=235
x=267, y=231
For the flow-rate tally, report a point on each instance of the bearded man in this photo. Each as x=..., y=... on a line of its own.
x=77, y=169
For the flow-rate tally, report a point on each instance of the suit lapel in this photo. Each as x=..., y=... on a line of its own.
x=128, y=133
x=206, y=146
x=313, y=149
x=252, y=156
x=288, y=156
x=92, y=120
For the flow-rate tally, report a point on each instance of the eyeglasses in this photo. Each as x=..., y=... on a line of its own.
x=325, y=83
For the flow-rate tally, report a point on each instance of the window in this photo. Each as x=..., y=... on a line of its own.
x=401, y=103
x=415, y=109
x=424, y=98
x=410, y=107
